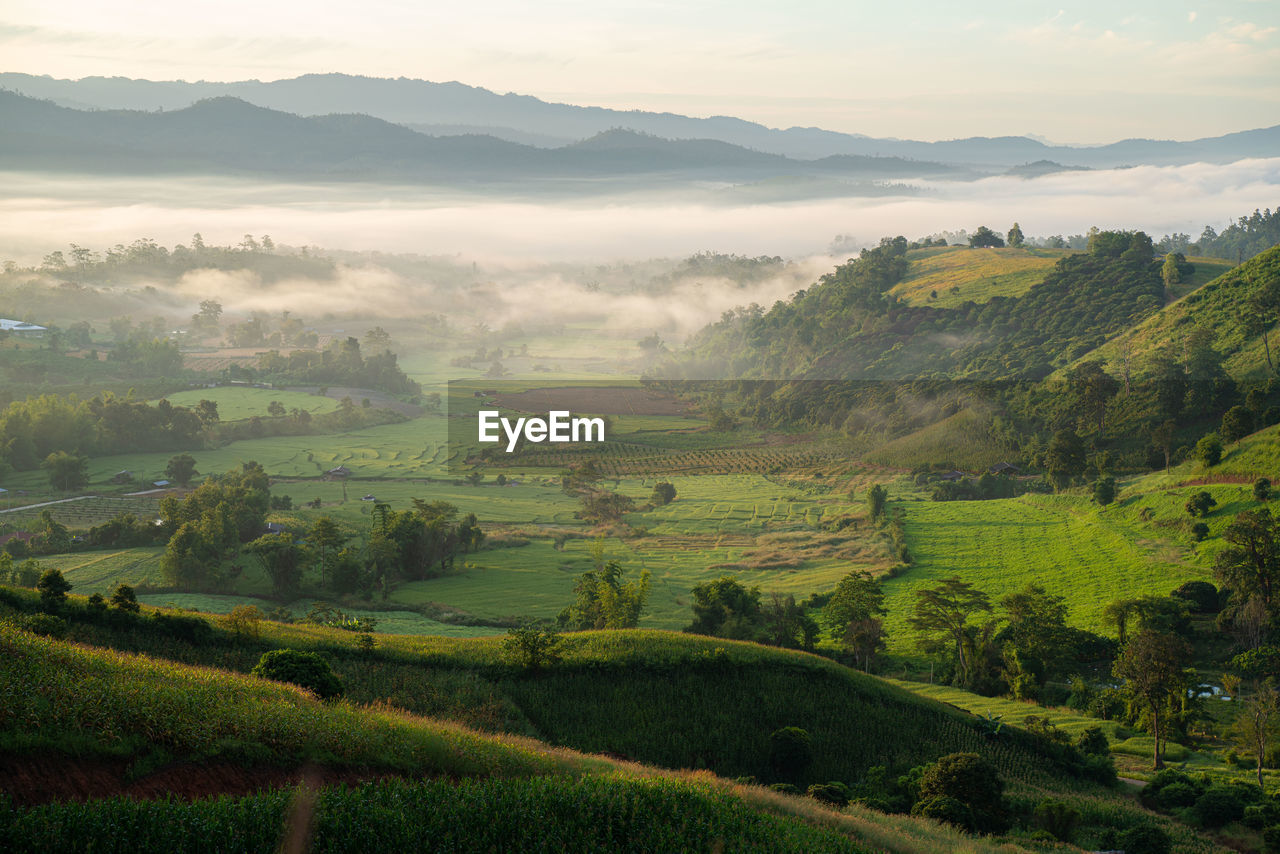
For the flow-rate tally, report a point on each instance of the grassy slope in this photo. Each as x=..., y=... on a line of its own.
x=130, y=704
x=236, y=404
x=977, y=274
x=1064, y=543
x=1213, y=306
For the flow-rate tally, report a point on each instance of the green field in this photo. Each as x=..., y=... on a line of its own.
x=237, y=403
x=974, y=274
x=1063, y=543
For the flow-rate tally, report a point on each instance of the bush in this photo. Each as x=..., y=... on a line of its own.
x=948, y=809
x=1177, y=795
x=124, y=599
x=532, y=648
x=1219, y=805
x=1093, y=742
x=1209, y=450
x=1259, y=816
x=1271, y=839
x=835, y=793
x=790, y=752
x=1058, y=818
x=45, y=624
x=972, y=780
x=306, y=669
x=1199, y=531
x=243, y=621
x=1145, y=839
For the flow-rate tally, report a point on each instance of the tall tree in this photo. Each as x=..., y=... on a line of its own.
x=944, y=611
x=1153, y=666
x=1250, y=564
x=326, y=538
x=1092, y=388
x=1015, y=237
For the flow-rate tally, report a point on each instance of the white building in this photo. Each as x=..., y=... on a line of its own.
x=20, y=327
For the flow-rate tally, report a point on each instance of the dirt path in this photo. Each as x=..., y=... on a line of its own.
x=47, y=503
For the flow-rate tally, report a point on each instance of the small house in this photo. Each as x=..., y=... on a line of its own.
x=1005, y=468
x=273, y=528
x=952, y=476
x=338, y=472
x=368, y=498
x=124, y=476
x=161, y=484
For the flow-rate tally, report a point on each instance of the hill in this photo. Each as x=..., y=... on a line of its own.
x=104, y=722
x=1216, y=307
x=453, y=108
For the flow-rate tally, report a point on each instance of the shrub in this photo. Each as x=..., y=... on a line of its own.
x=45, y=624
x=1219, y=805
x=1176, y=795
x=306, y=669
x=1259, y=816
x=1209, y=450
x=790, y=752
x=1145, y=839
x=972, y=780
x=1093, y=742
x=532, y=648
x=96, y=605
x=948, y=809
x=663, y=493
x=1058, y=818
x=1199, y=531
x=835, y=793
x=244, y=621
x=1271, y=839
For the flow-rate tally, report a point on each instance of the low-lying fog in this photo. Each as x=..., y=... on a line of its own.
x=39, y=213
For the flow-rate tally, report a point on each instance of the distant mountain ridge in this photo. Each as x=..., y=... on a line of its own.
x=453, y=108
x=226, y=135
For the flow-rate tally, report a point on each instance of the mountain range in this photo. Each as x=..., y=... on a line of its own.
x=453, y=109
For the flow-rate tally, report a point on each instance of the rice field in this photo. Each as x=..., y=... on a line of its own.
x=236, y=403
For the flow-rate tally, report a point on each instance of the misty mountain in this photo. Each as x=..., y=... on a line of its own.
x=227, y=135
x=455, y=108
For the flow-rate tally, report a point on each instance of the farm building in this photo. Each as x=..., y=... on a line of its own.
x=1004, y=468
x=21, y=327
x=124, y=476
x=340, y=471
x=161, y=484
x=273, y=528
x=952, y=476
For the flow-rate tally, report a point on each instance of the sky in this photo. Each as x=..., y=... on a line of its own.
x=1080, y=72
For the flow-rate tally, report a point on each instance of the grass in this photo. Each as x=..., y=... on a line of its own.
x=1011, y=712
x=237, y=403
x=1063, y=543
x=975, y=274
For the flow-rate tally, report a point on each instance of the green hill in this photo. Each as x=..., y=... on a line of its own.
x=1217, y=307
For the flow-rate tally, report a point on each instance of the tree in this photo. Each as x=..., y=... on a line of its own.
x=1163, y=437
x=66, y=471
x=864, y=639
x=124, y=599
x=790, y=753
x=786, y=624
x=1237, y=423
x=1092, y=388
x=1250, y=564
x=53, y=589
x=1037, y=633
x=282, y=558
x=181, y=469
x=1201, y=504
x=1259, y=720
x=1153, y=666
x=973, y=781
x=325, y=537
x=726, y=609
x=605, y=601
x=276, y=409
x=1262, y=490
x=857, y=597
x=377, y=339
x=1209, y=450
x=1015, y=235
x=877, y=496
x=944, y=611
x=1104, y=490
x=306, y=669
x=985, y=237
x=532, y=648
x=207, y=412
x=663, y=493
x=1065, y=458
